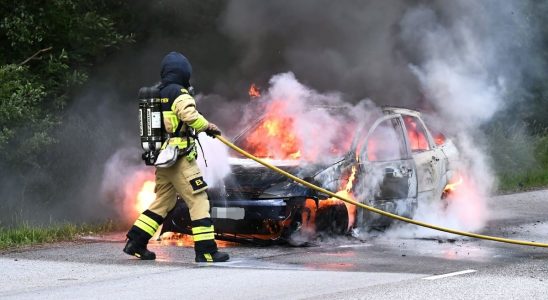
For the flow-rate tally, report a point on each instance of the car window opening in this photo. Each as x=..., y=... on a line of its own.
x=416, y=134
x=386, y=142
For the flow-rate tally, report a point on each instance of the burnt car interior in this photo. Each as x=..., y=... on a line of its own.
x=416, y=133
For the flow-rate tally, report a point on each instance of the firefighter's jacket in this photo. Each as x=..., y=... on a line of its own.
x=178, y=106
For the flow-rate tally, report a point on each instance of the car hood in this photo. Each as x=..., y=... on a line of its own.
x=251, y=180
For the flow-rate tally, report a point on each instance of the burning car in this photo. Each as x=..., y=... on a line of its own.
x=392, y=162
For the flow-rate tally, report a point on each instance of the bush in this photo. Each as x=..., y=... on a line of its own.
x=46, y=52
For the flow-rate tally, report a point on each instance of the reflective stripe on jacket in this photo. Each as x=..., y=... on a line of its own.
x=183, y=109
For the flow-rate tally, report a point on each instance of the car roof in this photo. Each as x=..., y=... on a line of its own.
x=400, y=110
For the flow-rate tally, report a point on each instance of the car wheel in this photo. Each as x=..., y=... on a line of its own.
x=332, y=219
x=301, y=229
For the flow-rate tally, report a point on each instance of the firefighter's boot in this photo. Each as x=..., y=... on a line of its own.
x=142, y=230
x=216, y=256
x=204, y=242
x=139, y=250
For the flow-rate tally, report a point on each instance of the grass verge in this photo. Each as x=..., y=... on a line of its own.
x=530, y=180
x=25, y=235
x=525, y=169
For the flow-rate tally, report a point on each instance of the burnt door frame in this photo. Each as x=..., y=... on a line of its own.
x=401, y=172
x=429, y=163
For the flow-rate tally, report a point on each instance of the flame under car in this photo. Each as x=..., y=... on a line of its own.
x=393, y=163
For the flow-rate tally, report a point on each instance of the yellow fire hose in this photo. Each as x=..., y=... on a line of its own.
x=373, y=209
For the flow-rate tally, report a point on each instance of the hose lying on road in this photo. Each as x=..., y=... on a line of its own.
x=376, y=210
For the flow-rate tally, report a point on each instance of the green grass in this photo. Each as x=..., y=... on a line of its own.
x=525, y=181
x=533, y=175
x=25, y=235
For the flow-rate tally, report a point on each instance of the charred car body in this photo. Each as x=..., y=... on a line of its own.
x=393, y=163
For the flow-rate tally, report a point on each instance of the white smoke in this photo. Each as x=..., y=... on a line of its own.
x=123, y=177
x=456, y=74
x=216, y=156
x=459, y=77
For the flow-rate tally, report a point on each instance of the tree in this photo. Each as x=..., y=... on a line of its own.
x=46, y=52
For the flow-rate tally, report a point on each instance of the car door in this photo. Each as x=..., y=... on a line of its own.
x=388, y=175
x=429, y=160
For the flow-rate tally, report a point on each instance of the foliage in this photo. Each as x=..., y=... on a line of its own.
x=21, y=114
x=46, y=52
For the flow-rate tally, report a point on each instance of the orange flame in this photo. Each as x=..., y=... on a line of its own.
x=274, y=137
x=452, y=186
x=254, y=91
x=130, y=207
x=146, y=196
x=415, y=132
x=439, y=139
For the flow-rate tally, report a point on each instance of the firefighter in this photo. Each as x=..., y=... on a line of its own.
x=181, y=119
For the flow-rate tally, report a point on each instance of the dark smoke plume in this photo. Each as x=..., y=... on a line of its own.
x=365, y=48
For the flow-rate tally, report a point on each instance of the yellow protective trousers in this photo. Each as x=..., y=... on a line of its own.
x=183, y=178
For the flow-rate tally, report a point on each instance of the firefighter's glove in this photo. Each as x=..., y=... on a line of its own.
x=212, y=130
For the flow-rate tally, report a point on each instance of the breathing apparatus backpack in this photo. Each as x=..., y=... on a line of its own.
x=151, y=123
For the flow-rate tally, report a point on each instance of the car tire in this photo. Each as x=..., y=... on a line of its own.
x=332, y=219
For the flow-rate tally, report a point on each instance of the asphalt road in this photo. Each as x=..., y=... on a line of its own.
x=341, y=268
